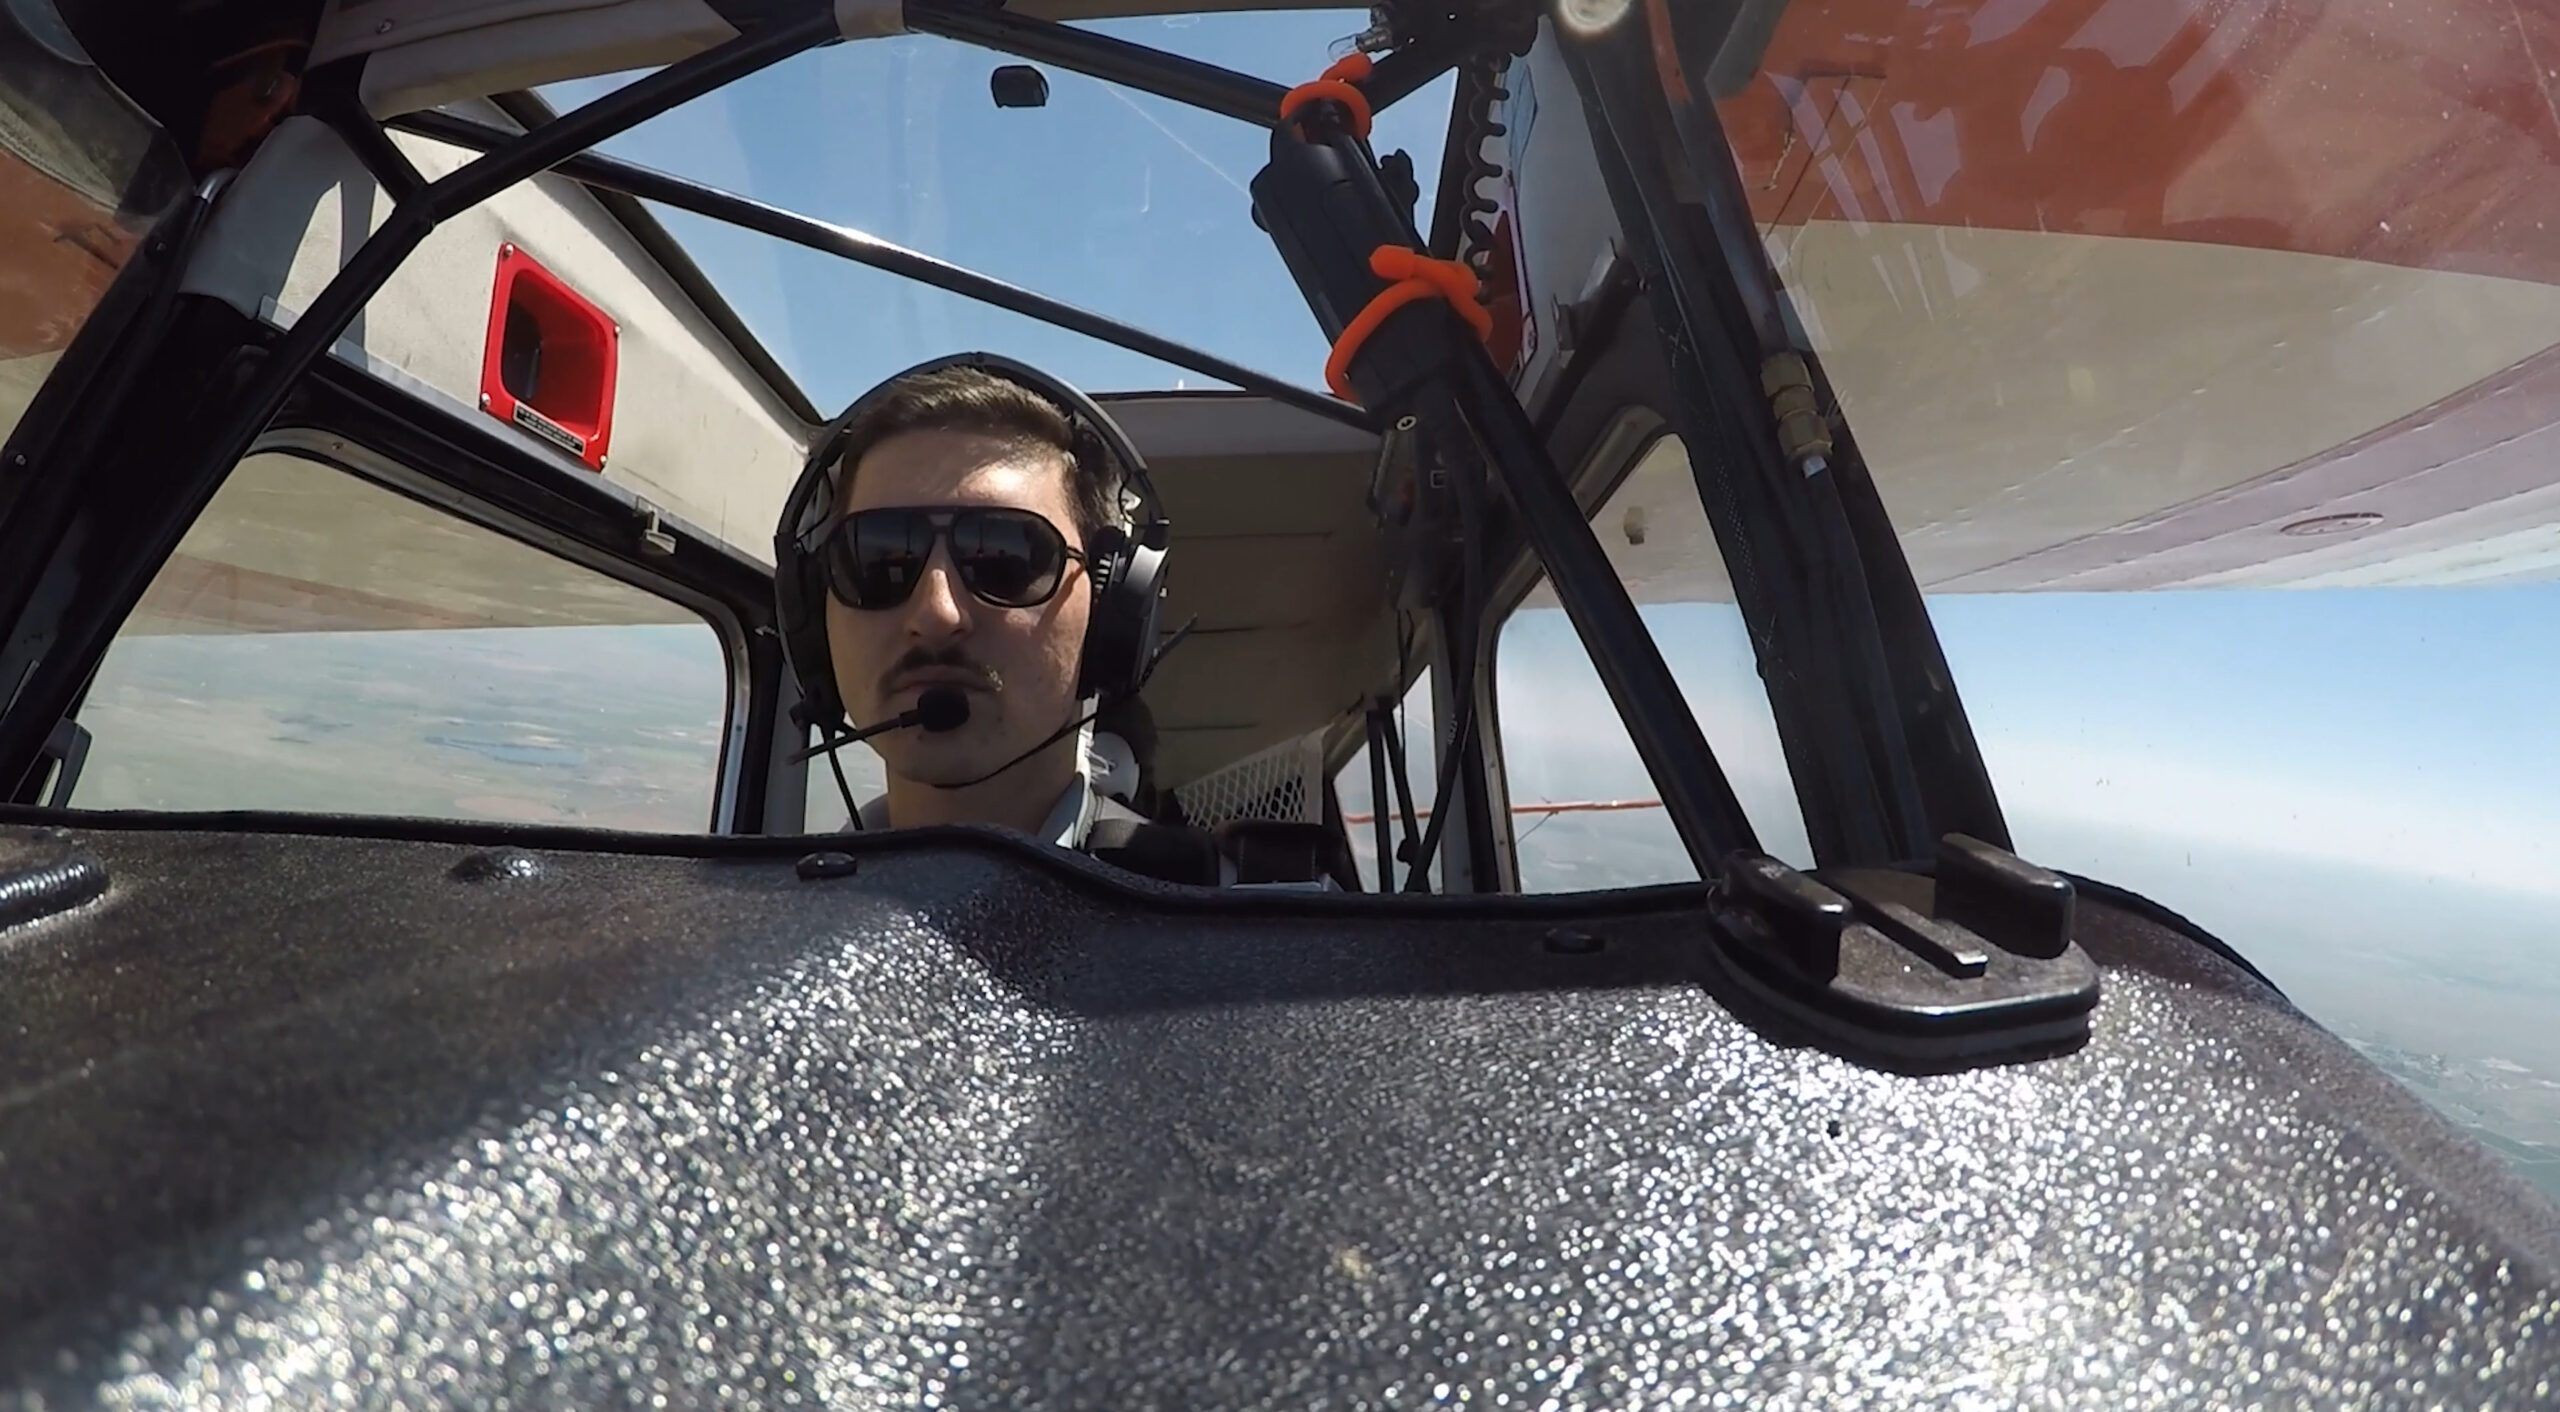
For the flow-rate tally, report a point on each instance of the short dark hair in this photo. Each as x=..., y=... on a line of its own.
x=973, y=400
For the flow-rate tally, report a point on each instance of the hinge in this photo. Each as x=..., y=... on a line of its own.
x=654, y=535
x=1974, y=966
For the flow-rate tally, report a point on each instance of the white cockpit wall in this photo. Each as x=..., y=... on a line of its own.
x=695, y=431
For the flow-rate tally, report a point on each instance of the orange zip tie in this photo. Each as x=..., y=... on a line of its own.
x=1337, y=86
x=1416, y=276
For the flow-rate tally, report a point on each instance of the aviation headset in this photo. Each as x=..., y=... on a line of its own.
x=1125, y=562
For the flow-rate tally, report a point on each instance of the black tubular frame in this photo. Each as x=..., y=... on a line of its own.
x=1876, y=739
x=45, y=640
x=1393, y=730
x=1936, y=736
x=536, y=151
x=1325, y=202
x=1189, y=81
x=1381, y=831
x=329, y=94
x=648, y=184
x=1206, y=86
x=1895, y=644
x=1930, y=773
x=1796, y=579
x=1695, y=790
x=1402, y=74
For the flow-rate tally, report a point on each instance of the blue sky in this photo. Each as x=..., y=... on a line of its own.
x=2358, y=786
x=1129, y=205
x=2405, y=729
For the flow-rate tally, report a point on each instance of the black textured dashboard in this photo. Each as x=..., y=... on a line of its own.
x=372, y=1122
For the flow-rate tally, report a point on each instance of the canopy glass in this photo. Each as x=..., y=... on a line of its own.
x=1129, y=205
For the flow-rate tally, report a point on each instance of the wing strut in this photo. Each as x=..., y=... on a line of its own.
x=1405, y=349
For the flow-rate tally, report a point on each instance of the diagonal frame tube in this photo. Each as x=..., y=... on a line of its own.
x=644, y=183
x=1189, y=81
x=51, y=642
x=412, y=219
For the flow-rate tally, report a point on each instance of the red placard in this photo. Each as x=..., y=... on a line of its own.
x=551, y=359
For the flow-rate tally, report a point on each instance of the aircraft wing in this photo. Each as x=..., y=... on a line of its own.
x=2134, y=297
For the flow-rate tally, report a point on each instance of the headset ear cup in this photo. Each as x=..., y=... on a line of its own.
x=1122, y=635
x=800, y=597
x=1146, y=597
x=1102, y=567
x=803, y=621
x=1103, y=560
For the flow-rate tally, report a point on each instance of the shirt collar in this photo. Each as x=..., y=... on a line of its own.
x=1069, y=824
x=1070, y=820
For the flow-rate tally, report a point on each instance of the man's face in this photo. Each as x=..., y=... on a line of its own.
x=1017, y=665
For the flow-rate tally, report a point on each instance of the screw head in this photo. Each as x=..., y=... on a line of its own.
x=818, y=867
x=494, y=865
x=1567, y=941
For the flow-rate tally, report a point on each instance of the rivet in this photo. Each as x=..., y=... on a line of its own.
x=1569, y=942
x=817, y=867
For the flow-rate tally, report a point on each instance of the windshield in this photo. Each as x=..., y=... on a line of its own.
x=1128, y=205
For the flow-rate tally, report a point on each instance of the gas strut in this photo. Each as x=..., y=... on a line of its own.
x=1407, y=344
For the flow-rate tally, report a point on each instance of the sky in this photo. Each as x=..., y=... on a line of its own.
x=1129, y=205
x=2359, y=787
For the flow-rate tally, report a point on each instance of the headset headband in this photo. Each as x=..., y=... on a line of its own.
x=1085, y=419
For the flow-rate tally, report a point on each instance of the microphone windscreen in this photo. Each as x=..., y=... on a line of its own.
x=942, y=708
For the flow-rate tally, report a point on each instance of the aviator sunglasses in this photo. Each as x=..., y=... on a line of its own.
x=1008, y=558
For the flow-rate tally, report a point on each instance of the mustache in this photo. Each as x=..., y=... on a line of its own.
x=918, y=659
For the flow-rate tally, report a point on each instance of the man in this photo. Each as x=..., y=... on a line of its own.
x=961, y=525
x=959, y=558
